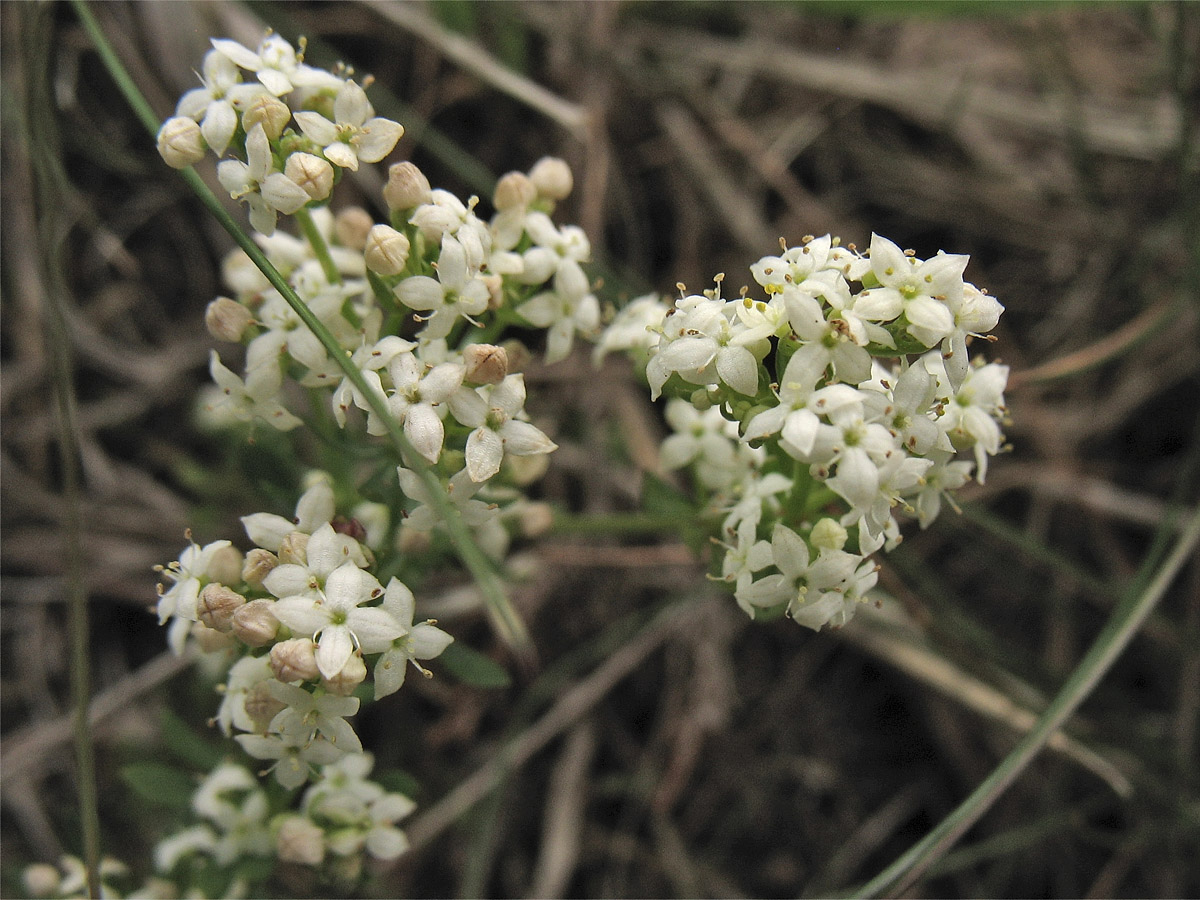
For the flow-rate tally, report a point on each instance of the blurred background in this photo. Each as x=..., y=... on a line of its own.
x=663, y=746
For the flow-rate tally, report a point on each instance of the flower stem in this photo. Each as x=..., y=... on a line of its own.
x=316, y=240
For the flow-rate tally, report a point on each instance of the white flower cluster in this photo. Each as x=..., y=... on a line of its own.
x=811, y=416
x=301, y=623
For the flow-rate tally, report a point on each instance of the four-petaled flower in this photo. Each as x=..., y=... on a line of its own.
x=355, y=134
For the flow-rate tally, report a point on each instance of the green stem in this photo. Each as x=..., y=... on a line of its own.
x=316, y=240
x=505, y=618
x=1126, y=619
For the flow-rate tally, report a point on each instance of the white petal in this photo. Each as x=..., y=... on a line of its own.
x=247, y=59
x=334, y=650
x=485, y=452
x=377, y=138
x=316, y=127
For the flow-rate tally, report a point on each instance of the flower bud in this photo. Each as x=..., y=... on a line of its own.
x=300, y=840
x=552, y=178
x=261, y=707
x=514, y=191
x=351, y=225
x=407, y=187
x=295, y=660
x=210, y=639
x=353, y=673
x=216, y=606
x=518, y=356
x=269, y=112
x=259, y=563
x=524, y=470
x=294, y=549
x=180, y=142
x=226, y=565
x=41, y=880
x=827, y=534
x=255, y=624
x=312, y=173
x=386, y=250
x=485, y=363
x=495, y=285
x=535, y=519
x=227, y=320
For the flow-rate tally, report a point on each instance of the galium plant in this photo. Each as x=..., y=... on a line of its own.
x=810, y=409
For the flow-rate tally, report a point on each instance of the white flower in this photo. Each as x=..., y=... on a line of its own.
x=215, y=104
x=421, y=641
x=975, y=313
x=255, y=398
x=493, y=412
x=309, y=716
x=970, y=418
x=276, y=64
x=923, y=291
x=834, y=342
x=742, y=560
x=265, y=190
x=353, y=135
x=368, y=359
x=244, y=676
x=636, y=326
x=457, y=291
x=947, y=474
x=324, y=552
x=418, y=400
x=336, y=619
x=292, y=756
x=704, y=347
x=568, y=308
x=460, y=491
x=314, y=509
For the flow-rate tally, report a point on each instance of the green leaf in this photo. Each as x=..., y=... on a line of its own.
x=159, y=784
x=473, y=668
x=188, y=746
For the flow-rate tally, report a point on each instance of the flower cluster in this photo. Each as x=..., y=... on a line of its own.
x=811, y=416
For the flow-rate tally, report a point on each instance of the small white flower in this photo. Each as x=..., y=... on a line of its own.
x=293, y=756
x=355, y=134
x=215, y=105
x=309, y=716
x=457, y=291
x=494, y=412
x=421, y=641
x=260, y=185
x=314, y=509
x=255, y=398
x=277, y=65
x=924, y=291
x=569, y=308
x=418, y=400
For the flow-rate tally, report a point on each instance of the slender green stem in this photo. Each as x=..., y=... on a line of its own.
x=1127, y=618
x=504, y=617
x=320, y=247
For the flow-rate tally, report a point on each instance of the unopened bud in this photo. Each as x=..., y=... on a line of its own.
x=210, y=639
x=351, y=225
x=294, y=549
x=525, y=470
x=300, y=840
x=518, y=355
x=269, y=112
x=261, y=706
x=486, y=363
x=536, y=518
x=828, y=534
x=407, y=187
x=353, y=673
x=295, y=660
x=216, y=606
x=386, y=250
x=259, y=563
x=180, y=142
x=495, y=285
x=255, y=624
x=227, y=320
x=312, y=173
x=41, y=879
x=514, y=191
x=552, y=178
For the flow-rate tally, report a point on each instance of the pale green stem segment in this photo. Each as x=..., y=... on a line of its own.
x=1126, y=619
x=317, y=241
x=505, y=618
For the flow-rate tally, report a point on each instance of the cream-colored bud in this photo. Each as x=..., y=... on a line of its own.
x=300, y=840
x=227, y=320
x=312, y=173
x=552, y=177
x=210, y=639
x=41, y=879
x=180, y=142
x=518, y=355
x=353, y=673
x=295, y=660
x=255, y=624
x=226, y=565
x=486, y=363
x=495, y=285
x=216, y=606
x=828, y=534
x=525, y=470
x=407, y=187
x=514, y=191
x=535, y=519
x=294, y=549
x=259, y=563
x=386, y=250
x=269, y=112
x=351, y=225
x=261, y=706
